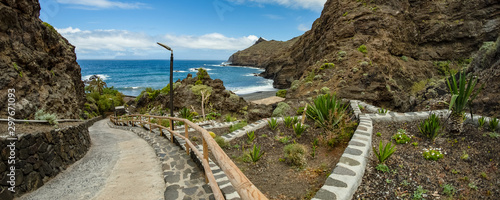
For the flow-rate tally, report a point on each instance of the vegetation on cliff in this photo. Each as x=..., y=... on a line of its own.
x=100, y=98
x=384, y=52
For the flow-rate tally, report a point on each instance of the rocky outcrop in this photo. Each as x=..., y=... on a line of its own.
x=38, y=63
x=259, y=54
x=187, y=94
x=404, y=40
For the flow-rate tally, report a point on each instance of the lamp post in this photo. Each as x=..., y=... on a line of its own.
x=171, y=80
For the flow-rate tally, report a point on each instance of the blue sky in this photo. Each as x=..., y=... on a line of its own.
x=195, y=29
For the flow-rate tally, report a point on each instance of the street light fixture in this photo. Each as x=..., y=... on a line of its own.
x=171, y=80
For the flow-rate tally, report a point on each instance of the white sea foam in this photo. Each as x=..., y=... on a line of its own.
x=248, y=90
x=179, y=71
x=102, y=76
x=251, y=74
x=196, y=69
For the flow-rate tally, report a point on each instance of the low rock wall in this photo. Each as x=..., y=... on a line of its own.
x=40, y=156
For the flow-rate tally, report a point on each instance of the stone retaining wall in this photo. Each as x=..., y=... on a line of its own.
x=41, y=156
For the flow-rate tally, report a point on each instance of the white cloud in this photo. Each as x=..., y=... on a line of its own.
x=102, y=4
x=114, y=40
x=214, y=41
x=303, y=27
x=316, y=5
x=123, y=42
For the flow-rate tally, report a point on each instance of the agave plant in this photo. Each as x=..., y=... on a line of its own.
x=327, y=111
x=255, y=154
x=430, y=127
x=384, y=152
x=461, y=96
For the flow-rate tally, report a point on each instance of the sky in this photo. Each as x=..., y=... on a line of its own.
x=194, y=29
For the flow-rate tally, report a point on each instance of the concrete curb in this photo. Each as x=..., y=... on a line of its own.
x=348, y=173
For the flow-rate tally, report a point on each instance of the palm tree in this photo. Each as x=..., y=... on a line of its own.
x=96, y=84
x=461, y=96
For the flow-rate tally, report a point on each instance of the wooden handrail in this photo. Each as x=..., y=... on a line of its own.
x=240, y=182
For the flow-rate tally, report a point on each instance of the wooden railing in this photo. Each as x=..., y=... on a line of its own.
x=240, y=182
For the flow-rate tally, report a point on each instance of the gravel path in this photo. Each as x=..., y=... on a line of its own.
x=119, y=165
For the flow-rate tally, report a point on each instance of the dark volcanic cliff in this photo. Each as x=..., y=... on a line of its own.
x=405, y=41
x=259, y=54
x=38, y=63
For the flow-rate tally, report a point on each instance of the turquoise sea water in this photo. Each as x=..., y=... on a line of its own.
x=132, y=76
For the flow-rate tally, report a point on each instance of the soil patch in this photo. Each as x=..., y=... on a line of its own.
x=273, y=174
x=469, y=168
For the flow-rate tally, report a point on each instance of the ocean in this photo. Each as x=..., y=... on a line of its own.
x=132, y=76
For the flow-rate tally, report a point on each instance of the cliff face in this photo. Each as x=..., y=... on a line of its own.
x=38, y=63
x=404, y=41
x=259, y=54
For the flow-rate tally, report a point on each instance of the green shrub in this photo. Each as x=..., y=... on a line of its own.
x=363, y=49
x=449, y=190
x=325, y=90
x=251, y=136
x=165, y=122
x=288, y=121
x=42, y=115
x=273, y=123
x=186, y=114
x=419, y=193
x=342, y=53
x=433, y=154
x=443, y=67
x=198, y=82
x=295, y=154
x=255, y=154
x=295, y=85
x=50, y=27
x=401, y=137
x=283, y=140
x=202, y=74
x=382, y=168
x=404, y=58
x=481, y=121
x=430, y=127
x=234, y=98
x=281, y=109
x=382, y=110
x=299, y=128
x=493, y=124
x=310, y=76
x=237, y=126
x=326, y=110
x=281, y=93
x=197, y=89
x=327, y=66
x=229, y=118
x=221, y=142
x=385, y=152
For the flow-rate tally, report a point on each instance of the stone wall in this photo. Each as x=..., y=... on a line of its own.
x=41, y=156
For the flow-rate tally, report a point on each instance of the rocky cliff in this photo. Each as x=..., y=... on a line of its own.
x=259, y=54
x=38, y=63
x=379, y=50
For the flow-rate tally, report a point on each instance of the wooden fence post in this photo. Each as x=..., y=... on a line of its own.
x=205, y=155
x=150, y=126
x=172, y=129
x=186, y=127
x=159, y=123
